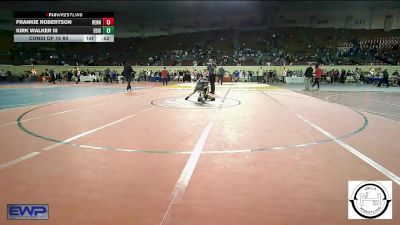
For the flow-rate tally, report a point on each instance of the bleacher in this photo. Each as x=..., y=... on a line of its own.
x=275, y=46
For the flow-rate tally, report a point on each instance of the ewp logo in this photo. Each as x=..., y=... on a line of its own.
x=28, y=212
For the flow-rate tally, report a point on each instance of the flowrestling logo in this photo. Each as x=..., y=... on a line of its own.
x=370, y=200
x=27, y=211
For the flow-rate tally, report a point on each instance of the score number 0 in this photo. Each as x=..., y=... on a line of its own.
x=108, y=25
x=108, y=21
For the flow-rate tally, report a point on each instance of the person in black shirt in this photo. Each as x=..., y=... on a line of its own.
x=69, y=75
x=270, y=76
x=342, y=76
x=211, y=73
x=385, y=78
x=128, y=75
x=52, y=76
x=308, y=75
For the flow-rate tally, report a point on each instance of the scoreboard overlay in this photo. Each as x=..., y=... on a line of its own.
x=64, y=26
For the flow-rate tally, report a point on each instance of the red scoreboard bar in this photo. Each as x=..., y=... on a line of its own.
x=108, y=21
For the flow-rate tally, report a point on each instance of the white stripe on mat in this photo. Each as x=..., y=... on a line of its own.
x=17, y=160
x=30, y=155
x=357, y=153
x=188, y=170
x=94, y=130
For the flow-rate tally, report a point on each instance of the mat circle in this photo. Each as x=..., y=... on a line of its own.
x=279, y=148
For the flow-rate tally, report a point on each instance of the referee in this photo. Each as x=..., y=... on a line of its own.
x=211, y=67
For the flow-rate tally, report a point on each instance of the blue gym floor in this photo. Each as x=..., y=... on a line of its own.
x=18, y=97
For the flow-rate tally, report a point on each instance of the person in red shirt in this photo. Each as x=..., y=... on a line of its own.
x=164, y=76
x=318, y=75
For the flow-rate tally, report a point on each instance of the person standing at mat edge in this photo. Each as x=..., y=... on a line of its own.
x=211, y=67
x=53, y=76
x=128, y=75
x=308, y=74
x=221, y=74
x=318, y=74
x=164, y=76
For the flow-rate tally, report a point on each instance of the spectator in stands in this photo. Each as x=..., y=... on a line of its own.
x=331, y=75
x=258, y=76
x=127, y=73
x=235, y=75
x=52, y=76
x=3, y=75
x=169, y=76
x=221, y=73
x=152, y=74
x=190, y=74
x=308, y=74
x=33, y=71
x=395, y=74
x=284, y=72
x=385, y=78
x=362, y=77
x=270, y=75
x=45, y=74
x=77, y=74
x=195, y=74
x=69, y=75
x=337, y=75
x=357, y=74
x=164, y=76
x=342, y=76
x=264, y=77
x=108, y=75
x=318, y=75
x=58, y=76
x=114, y=76
x=250, y=74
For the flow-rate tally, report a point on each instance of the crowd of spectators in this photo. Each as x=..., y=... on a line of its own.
x=278, y=46
x=260, y=75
